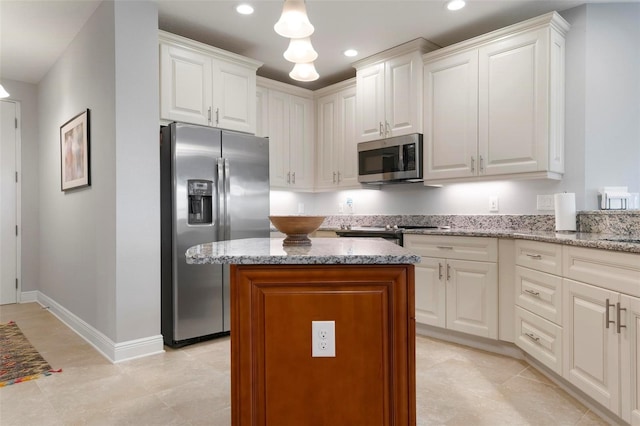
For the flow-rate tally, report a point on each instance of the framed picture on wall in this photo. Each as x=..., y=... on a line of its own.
x=74, y=152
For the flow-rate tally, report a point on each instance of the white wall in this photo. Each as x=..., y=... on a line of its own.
x=612, y=112
x=99, y=246
x=137, y=171
x=602, y=133
x=27, y=95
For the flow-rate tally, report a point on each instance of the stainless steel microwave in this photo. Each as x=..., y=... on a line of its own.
x=392, y=160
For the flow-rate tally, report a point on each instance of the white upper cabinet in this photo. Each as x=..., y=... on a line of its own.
x=336, y=146
x=389, y=92
x=494, y=105
x=204, y=85
x=286, y=117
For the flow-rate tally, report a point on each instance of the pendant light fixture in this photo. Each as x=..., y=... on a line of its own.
x=293, y=22
x=3, y=93
x=304, y=72
x=300, y=51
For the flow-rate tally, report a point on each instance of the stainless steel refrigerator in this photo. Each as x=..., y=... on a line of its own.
x=214, y=187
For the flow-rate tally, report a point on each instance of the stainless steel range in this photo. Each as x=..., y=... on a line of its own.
x=393, y=233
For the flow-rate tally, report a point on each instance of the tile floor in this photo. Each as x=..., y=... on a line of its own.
x=456, y=385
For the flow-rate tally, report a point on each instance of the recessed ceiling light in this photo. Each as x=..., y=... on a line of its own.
x=244, y=9
x=456, y=4
x=350, y=53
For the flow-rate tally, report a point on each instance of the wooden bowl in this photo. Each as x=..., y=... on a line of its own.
x=297, y=228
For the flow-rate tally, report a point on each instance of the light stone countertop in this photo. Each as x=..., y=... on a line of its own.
x=581, y=239
x=323, y=251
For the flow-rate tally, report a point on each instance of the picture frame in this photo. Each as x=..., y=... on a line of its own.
x=75, y=164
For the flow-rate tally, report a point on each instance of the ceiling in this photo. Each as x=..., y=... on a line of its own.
x=34, y=33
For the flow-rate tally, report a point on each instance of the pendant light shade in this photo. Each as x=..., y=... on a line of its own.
x=304, y=72
x=3, y=93
x=300, y=51
x=293, y=22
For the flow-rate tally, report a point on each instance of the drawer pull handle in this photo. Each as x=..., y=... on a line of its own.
x=534, y=256
x=533, y=293
x=618, y=310
x=445, y=247
x=448, y=272
x=440, y=271
x=532, y=337
x=606, y=319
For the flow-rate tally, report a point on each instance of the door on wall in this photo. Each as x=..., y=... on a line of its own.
x=8, y=203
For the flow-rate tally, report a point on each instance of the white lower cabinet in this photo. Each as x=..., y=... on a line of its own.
x=601, y=318
x=592, y=347
x=454, y=292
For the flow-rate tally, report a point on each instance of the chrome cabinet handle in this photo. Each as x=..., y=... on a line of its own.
x=289, y=177
x=217, y=116
x=607, y=320
x=445, y=247
x=473, y=164
x=532, y=337
x=618, y=317
x=209, y=115
x=222, y=214
x=387, y=127
x=481, y=165
x=440, y=271
x=533, y=293
x=334, y=177
x=448, y=272
x=293, y=178
x=381, y=130
x=534, y=256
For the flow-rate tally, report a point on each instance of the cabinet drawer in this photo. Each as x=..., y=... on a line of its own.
x=609, y=269
x=461, y=248
x=545, y=257
x=540, y=293
x=539, y=338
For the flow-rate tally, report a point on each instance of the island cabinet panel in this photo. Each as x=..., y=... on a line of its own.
x=371, y=379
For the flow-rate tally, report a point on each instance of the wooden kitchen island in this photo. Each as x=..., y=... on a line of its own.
x=365, y=286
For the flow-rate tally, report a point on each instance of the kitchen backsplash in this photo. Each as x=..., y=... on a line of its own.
x=606, y=222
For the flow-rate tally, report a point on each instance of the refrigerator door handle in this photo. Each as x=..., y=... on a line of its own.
x=221, y=200
x=227, y=201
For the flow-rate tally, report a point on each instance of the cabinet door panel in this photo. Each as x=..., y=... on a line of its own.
x=234, y=97
x=301, y=142
x=630, y=360
x=403, y=81
x=472, y=297
x=370, y=98
x=347, y=155
x=513, y=100
x=431, y=292
x=278, y=139
x=451, y=116
x=185, y=85
x=590, y=348
x=326, y=169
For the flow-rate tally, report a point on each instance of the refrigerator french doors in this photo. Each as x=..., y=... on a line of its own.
x=215, y=186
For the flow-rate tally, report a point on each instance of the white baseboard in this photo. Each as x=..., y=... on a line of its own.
x=114, y=352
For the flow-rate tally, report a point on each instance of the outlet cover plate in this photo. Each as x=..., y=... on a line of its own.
x=323, y=339
x=545, y=202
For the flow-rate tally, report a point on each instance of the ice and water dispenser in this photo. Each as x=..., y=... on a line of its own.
x=200, y=194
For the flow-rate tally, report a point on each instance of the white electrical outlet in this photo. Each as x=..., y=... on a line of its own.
x=545, y=202
x=323, y=339
x=493, y=203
